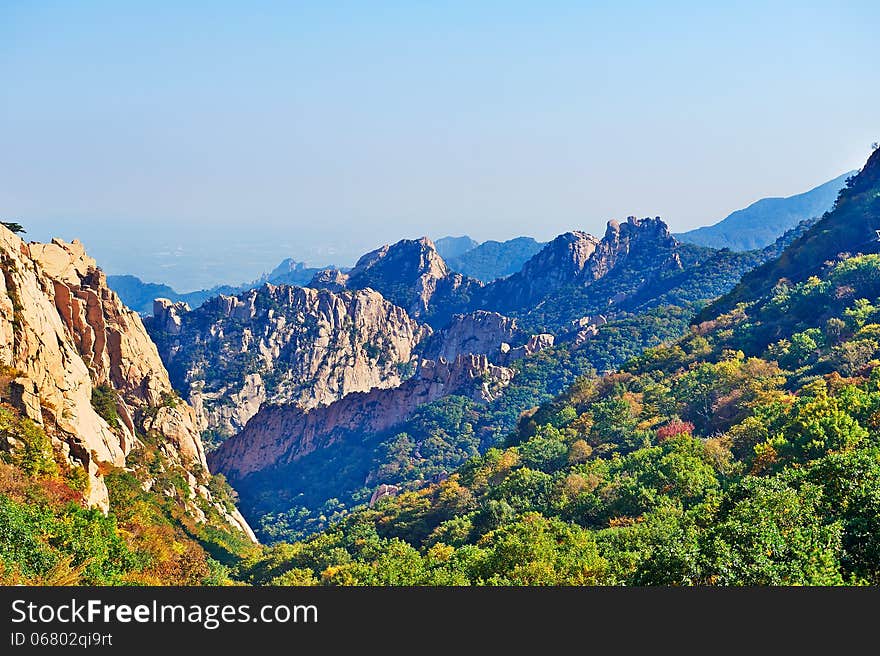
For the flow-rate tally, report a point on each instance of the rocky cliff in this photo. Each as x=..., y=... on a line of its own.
x=64, y=334
x=281, y=344
x=494, y=335
x=578, y=275
x=278, y=435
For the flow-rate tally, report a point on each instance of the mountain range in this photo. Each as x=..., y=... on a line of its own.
x=625, y=409
x=755, y=227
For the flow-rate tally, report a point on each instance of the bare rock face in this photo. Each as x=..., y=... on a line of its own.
x=333, y=280
x=621, y=238
x=383, y=490
x=283, y=344
x=66, y=333
x=167, y=315
x=479, y=333
x=534, y=344
x=112, y=341
x=585, y=328
x=412, y=274
x=557, y=264
x=278, y=435
x=24, y=395
x=36, y=342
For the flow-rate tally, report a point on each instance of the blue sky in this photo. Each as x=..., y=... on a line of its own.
x=197, y=143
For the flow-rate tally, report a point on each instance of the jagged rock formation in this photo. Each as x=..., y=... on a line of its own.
x=167, y=315
x=485, y=333
x=281, y=344
x=278, y=435
x=577, y=258
x=333, y=280
x=480, y=333
x=535, y=343
x=559, y=263
x=575, y=269
x=140, y=295
x=413, y=275
x=383, y=490
x=65, y=332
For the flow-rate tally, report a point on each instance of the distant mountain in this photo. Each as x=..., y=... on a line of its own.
x=289, y=272
x=849, y=228
x=494, y=259
x=139, y=295
x=450, y=247
x=759, y=224
x=638, y=264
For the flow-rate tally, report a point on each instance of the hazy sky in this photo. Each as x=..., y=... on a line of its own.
x=194, y=145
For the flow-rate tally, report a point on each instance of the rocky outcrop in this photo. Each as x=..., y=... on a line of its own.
x=333, y=280
x=115, y=346
x=383, y=490
x=535, y=343
x=480, y=333
x=584, y=328
x=167, y=315
x=282, y=344
x=412, y=274
x=621, y=239
x=559, y=263
x=278, y=435
x=67, y=333
x=34, y=340
x=485, y=333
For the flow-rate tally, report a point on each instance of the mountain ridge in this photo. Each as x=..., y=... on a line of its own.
x=759, y=224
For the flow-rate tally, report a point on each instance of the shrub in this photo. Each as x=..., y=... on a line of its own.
x=104, y=399
x=31, y=447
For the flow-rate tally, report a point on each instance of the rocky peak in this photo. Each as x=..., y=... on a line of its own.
x=576, y=259
x=333, y=280
x=480, y=332
x=620, y=239
x=555, y=265
x=485, y=333
x=167, y=315
x=412, y=274
x=562, y=259
x=410, y=258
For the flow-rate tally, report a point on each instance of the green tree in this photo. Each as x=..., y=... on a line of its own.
x=13, y=226
x=767, y=533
